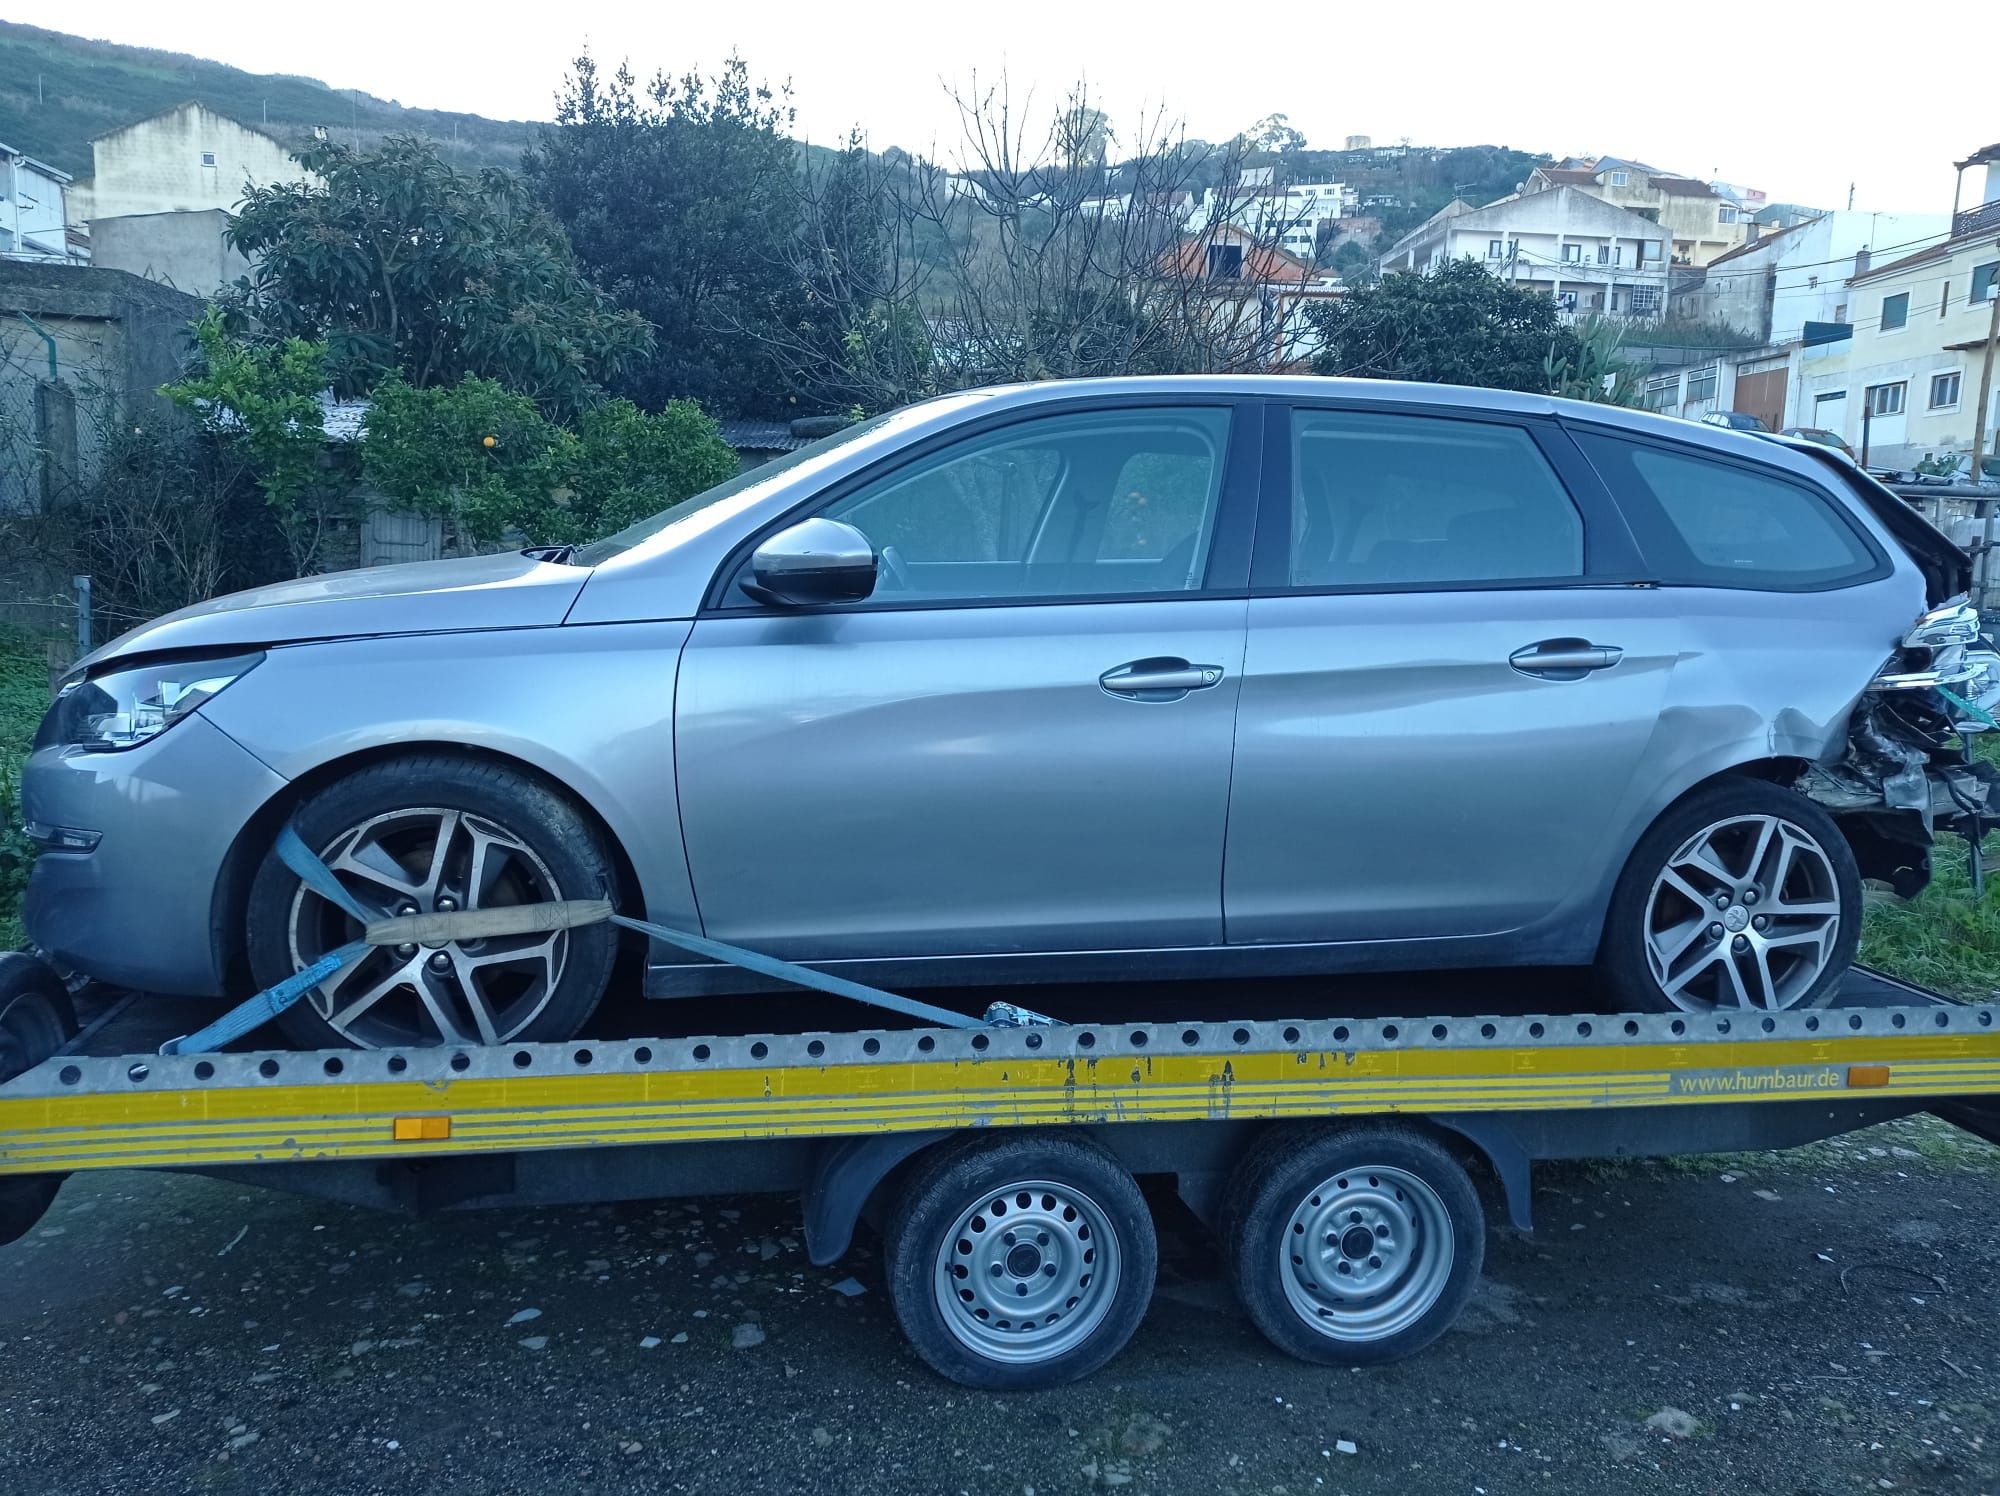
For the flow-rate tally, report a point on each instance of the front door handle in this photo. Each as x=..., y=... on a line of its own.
x=1163, y=678
x=1564, y=659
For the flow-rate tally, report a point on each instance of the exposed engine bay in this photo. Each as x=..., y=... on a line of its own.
x=1910, y=769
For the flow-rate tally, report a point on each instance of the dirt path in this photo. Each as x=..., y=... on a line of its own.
x=1818, y=1322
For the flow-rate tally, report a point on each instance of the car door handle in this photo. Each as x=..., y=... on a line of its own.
x=1160, y=679
x=1564, y=659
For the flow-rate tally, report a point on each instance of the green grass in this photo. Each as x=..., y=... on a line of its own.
x=24, y=696
x=1943, y=938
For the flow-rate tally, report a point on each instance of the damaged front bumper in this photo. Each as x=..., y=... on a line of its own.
x=1910, y=770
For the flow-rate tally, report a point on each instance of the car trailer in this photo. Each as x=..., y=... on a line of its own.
x=1339, y=1160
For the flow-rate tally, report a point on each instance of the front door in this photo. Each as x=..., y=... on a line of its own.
x=1021, y=742
x=1443, y=701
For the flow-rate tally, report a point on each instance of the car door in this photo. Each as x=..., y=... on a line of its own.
x=1450, y=680
x=1021, y=742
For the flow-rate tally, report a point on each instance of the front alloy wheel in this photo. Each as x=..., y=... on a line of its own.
x=426, y=860
x=437, y=833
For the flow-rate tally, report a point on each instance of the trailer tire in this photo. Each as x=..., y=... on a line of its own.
x=1019, y=1262
x=36, y=1020
x=1399, y=1232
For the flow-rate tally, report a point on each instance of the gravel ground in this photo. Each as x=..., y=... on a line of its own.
x=1813, y=1322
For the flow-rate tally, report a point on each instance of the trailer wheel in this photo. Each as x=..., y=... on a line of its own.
x=1020, y=1262
x=35, y=1022
x=1352, y=1246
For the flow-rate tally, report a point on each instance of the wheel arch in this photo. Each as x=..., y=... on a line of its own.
x=230, y=903
x=1779, y=769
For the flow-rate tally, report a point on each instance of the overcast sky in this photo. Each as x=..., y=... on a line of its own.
x=1781, y=97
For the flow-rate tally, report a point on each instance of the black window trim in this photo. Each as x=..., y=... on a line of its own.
x=1228, y=553
x=1610, y=555
x=1826, y=497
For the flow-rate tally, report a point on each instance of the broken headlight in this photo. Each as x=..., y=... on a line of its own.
x=121, y=709
x=1942, y=649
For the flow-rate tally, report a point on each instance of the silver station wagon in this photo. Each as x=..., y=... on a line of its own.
x=1132, y=678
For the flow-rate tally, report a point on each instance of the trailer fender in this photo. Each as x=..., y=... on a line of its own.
x=846, y=1174
x=1497, y=1143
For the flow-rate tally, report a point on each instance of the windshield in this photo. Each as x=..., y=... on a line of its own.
x=600, y=551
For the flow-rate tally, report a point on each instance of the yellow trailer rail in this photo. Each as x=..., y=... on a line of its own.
x=74, y=1113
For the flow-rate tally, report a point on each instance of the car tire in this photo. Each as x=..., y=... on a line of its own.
x=1755, y=947
x=36, y=1021
x=1298, y=1196
x=1088, y=1248
x=521, y=840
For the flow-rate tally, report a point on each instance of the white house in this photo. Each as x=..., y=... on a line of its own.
x=34, y=211
x=1292, y=216
x=163, y=188
x=1774, y=285
x=1906, y=381
x=1590, y=256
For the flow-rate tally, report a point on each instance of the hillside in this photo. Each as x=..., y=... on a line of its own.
x=88, y=87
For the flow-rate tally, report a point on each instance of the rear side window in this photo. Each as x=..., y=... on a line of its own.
x=1704, y=523
x=1398, y=501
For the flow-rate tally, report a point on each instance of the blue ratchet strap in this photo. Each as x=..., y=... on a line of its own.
x=316, y=875
x=257, y=1011
x=800, y=976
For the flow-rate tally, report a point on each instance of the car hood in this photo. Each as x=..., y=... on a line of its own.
x=511, y=590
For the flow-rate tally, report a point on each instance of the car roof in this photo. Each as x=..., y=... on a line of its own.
x=1755, y=445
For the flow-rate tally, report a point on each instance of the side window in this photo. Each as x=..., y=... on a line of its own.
x=1703, y=523
x=1096, y=504
x=1396, y=501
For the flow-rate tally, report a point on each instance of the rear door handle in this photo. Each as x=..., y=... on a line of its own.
x=1163, y=678
x=1564, y=659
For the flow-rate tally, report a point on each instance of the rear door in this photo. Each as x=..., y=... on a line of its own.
x=1450, y=684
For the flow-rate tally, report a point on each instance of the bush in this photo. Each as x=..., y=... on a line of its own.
x=625, y=465
x=474, y=454
x=171, y=517
x=24, y=696
x=488, y=463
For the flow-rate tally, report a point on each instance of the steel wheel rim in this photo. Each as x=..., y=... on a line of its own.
x=1026, y=1272
x=1745, y=915
x=1366, y=1253
x=422, y=860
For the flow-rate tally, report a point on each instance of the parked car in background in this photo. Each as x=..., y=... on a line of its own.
x=978, y=692
x=1823, y=438
x=1734, y=420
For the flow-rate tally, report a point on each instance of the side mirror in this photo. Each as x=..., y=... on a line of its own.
x=813, y=562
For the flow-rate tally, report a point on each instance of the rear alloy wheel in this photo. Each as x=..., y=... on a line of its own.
x=464, y=836
x=1744, y=897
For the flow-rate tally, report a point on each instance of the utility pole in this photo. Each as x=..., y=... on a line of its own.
x=1985, y=380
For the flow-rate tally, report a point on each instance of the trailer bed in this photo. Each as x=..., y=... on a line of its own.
x=117, y=1104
